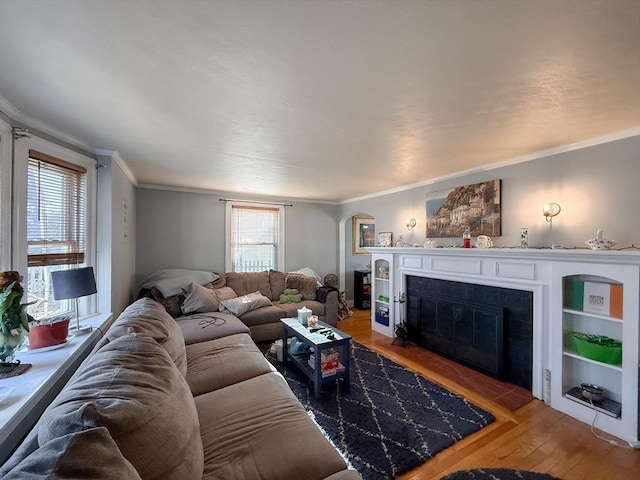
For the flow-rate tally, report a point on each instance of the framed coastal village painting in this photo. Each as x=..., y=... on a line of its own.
x=364, y=234
x=475, y=207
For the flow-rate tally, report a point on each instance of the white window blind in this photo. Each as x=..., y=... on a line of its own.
x=255, y=241
x=56, y=206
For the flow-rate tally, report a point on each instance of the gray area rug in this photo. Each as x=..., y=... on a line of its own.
x=497, y=474
x=391, y=420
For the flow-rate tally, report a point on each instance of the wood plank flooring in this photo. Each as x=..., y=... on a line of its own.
x=533, y=437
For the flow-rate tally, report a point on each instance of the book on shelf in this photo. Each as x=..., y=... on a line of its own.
x=594, y=297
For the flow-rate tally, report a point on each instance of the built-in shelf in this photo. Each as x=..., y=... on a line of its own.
x=556, y=367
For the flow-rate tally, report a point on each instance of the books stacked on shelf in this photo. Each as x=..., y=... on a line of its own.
x=594, y=297
x=382, y=315
x=329, y=362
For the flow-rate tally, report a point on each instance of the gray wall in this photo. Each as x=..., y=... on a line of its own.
x=186, y=230
x=116, y=249
x=597, y=187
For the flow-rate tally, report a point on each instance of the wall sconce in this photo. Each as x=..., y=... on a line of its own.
x=550, y=210
x=411, y=223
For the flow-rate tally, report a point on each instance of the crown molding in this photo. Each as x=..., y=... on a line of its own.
x=41, y=129
x=250, y=198
x=592, y=142
x=119, y=159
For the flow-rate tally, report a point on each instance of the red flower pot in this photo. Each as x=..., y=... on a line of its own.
x=41, y=336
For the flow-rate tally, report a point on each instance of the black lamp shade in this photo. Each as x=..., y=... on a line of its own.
x=73, y=283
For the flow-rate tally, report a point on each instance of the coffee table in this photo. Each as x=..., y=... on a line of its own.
x=321, y=344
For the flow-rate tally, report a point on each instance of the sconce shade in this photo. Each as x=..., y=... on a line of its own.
x=411, y=223
x=73, y=283
x=550, y=210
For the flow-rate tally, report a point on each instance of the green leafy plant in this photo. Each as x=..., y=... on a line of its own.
x=14, y=320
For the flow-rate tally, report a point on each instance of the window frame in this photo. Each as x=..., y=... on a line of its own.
x=280, y=249
x=6, y=176
x=21, y=148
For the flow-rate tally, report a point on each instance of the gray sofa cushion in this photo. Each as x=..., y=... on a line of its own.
x=133, y=388
x=249, y=282
x=199, y=299
x=263, y=315
x=88, y=454
x=257, y=430
x=277, y=280
x=219, y=363
x=148, y=317
x=290, y=310
x=202, y=327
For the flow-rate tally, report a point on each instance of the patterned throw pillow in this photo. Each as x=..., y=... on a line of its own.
x=171, y=304
x=244, y=304
x=305, y=285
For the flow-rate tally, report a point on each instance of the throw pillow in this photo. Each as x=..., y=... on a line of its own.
x=304, y=284
x=171, y=281
x=244, y=304
x=171, y=304
x=199, y=299
x=290, y=295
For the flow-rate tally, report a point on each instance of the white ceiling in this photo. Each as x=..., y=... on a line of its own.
x=325, y=99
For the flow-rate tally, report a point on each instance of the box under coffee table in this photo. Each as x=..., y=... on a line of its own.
x=326, y=360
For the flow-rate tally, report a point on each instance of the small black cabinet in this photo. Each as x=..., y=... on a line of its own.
x=362, y=289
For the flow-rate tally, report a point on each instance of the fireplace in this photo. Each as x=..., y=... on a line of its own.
x=487, y=328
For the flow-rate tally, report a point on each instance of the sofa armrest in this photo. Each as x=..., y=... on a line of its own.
x=331, y=309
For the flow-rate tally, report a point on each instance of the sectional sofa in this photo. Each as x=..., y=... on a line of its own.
x=148, y=404
x=255, y=298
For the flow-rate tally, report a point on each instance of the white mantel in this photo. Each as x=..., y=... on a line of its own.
x=540, y=271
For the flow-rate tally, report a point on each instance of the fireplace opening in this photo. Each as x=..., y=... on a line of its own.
x=486, y=328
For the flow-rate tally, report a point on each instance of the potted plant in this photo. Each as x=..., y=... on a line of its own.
x=48, y=332
x=14, y=321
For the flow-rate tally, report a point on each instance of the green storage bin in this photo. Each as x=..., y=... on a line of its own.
x=598, y=347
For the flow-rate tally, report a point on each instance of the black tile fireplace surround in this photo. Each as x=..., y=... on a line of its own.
x=487, y=328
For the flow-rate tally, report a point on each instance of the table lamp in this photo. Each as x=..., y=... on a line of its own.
x=74, y=283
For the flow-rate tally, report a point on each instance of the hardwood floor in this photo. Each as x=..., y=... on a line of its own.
x=533, y=437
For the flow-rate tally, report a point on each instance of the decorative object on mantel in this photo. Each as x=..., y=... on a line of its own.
x=385, y=239
x=600, y=243
x=400, y=242
x=524, y=237
x=550, y=210
x=483, y=241
x=428, y=243
x=411, y=223
x=14, y=321
x=72, y=284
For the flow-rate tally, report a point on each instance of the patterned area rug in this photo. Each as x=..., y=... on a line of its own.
x=497, y=474
x=391, y=420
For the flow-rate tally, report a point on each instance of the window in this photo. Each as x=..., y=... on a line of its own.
x=56, y=221
x=255, y=237
x=5, y=196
